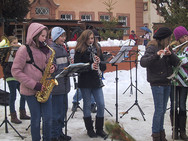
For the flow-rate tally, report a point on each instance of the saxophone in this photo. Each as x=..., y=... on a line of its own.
x=42, y=96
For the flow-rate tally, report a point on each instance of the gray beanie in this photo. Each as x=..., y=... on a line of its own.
x=56, y=32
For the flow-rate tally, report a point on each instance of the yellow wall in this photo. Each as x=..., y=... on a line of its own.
x=122, y=6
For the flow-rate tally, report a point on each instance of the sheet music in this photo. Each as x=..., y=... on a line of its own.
x=124, y=51
x=72, y=68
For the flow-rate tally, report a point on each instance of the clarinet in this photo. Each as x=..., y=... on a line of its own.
x=99, y=72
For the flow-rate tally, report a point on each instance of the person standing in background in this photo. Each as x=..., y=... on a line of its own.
x=158, y=69
x=133, y=36
x=146, y=38
x=14, y=85
x=60, y=92
x=77, y=97
x=181, y=85
x=29, y=74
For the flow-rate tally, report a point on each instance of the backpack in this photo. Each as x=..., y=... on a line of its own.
x=31, y=61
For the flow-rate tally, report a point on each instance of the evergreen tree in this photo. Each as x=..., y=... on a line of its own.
x=13, y=11
x=175, y=12
x=109, y=30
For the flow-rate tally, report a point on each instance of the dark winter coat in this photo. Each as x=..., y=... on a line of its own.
x=89, y=78
x=158, y=69
x=61, y=61
x=8, y=65
x=7, y=69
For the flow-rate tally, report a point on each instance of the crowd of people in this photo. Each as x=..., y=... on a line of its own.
x=46, y=53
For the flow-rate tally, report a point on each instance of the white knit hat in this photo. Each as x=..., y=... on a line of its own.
x=56, y=32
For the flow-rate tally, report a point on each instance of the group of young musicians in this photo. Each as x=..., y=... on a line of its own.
x=160, y=59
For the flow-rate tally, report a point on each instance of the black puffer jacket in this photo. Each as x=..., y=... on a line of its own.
x=89, y=78
x=158, y=69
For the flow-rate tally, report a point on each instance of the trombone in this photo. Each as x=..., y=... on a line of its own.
x=4, y=43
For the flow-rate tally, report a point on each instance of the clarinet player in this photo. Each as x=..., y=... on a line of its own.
x=89, y=81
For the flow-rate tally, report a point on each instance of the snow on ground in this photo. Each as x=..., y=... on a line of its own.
x=132, y=122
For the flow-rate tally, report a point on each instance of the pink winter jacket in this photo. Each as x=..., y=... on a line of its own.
x=27, y=74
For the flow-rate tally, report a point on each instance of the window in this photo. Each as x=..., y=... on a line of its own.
x=145, y=6
x=66, y=17
x=42, y=11
x=86, y=18
x=104, y=17
x=123, y=19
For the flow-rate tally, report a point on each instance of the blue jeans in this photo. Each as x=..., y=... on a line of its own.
x=37, y=111
x=13, y=86
x=145, y=42
x=59, y=111
x=181, y=98
x=160, y=97
x=99, y=98
x=78, y=92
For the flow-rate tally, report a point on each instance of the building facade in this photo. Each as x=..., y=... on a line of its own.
x=71, y=14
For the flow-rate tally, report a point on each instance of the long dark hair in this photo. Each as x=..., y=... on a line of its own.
x=36, y=38
x=81, y=42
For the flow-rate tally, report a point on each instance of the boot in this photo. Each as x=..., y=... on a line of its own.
x=14, y=118
x=64, y=137
x=99, y=127
x=176, y=124
x=182, y=125
x=23, y=115
x=163, y=135
x=93, y=108
x=156, y=137
x=89, y=126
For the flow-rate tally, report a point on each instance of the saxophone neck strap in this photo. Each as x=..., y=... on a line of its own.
x=31, y=61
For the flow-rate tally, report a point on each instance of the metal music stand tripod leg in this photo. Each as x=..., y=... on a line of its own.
x=131, y=84
x=6, y=121
x=108, y=112
x=116, y=105
x=136, y=100
x=77, y=103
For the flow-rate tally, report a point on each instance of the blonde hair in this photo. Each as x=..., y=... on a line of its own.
x=12, y=38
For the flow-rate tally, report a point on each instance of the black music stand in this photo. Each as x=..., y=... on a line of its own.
x=136, y=100
x=70, y=71
x=117, y=59
x=131, y=83
x=5, y=95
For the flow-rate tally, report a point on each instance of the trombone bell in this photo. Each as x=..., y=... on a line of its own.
x=4, y=42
